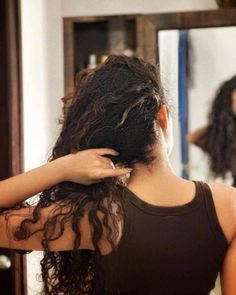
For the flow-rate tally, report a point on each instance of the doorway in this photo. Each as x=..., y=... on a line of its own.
x=12, y=264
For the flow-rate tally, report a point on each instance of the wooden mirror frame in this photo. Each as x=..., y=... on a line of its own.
x=11, y=133
x=145, y=41
x=187, y=20
x=147, y=32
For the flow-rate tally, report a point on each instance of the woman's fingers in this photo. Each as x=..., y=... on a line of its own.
x=91, y=166
x=106, y=151
x=114, y=172
x=109, y=164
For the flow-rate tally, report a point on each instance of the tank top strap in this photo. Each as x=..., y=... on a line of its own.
x=206, y=192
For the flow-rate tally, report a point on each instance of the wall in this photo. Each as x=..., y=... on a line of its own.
x=42, y=49
x=98, y=7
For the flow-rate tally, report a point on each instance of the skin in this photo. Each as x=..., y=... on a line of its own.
x=155, y=184
x=234, y=101
x=194, y=136
x=85, y=167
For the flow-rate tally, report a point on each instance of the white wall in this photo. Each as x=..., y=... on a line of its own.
x=42, y=49
x=98, y=7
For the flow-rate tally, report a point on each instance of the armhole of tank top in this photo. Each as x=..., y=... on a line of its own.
x=125, y=230
x=217, y=230
x=123, y=236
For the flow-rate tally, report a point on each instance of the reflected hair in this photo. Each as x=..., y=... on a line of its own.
x=220, y=139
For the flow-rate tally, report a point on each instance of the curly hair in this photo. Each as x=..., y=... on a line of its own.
x=114, y=106
x=219, y=141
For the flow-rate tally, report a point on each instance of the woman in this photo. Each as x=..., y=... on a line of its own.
x=150, y=233
x=218, y=138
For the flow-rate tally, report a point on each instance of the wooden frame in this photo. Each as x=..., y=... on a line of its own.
x=14, y=89
x=145, y=41
x=11, y=117
x=147, y=32
x=190, y=20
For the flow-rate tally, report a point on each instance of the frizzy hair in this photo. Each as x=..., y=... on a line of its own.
x=220, y=138
x=113, y=106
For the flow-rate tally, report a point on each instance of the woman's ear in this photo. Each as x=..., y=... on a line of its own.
x=162, y=118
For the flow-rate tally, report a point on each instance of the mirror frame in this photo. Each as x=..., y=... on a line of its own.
x=145, y=41
x=11, y=117
x=186, y=20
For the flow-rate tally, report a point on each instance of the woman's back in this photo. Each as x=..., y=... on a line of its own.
x=168, y=250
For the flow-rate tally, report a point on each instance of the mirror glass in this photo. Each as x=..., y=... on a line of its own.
x=194, y=63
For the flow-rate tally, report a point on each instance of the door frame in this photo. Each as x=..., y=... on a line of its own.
x=12, y=117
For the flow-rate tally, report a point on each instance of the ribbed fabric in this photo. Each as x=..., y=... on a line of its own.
x=166, y=250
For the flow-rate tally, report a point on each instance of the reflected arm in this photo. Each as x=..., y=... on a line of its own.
x=195, y=136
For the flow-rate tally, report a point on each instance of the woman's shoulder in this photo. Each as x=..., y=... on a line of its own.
x=224, y=193
x=224, y=197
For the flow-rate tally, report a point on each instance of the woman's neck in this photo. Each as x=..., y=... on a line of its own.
x=159, y=169
x=155, y=181
x=150, y=173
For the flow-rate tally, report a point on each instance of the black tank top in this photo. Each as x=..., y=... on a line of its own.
x=166, y=250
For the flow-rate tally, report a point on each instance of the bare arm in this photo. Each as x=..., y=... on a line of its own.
x=85, y=167
x=195, y=136
x=228, y=273
x=9, y=223
x=18, y=188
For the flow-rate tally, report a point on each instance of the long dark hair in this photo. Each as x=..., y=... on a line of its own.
x=220, y=138
x=114, y=107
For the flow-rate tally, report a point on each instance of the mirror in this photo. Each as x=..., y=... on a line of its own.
x=194, y=63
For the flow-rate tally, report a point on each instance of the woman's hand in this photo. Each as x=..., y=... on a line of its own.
x=89, y=166
x=85, y=167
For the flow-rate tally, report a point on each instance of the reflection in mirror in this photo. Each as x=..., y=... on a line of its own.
x=207, y=64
